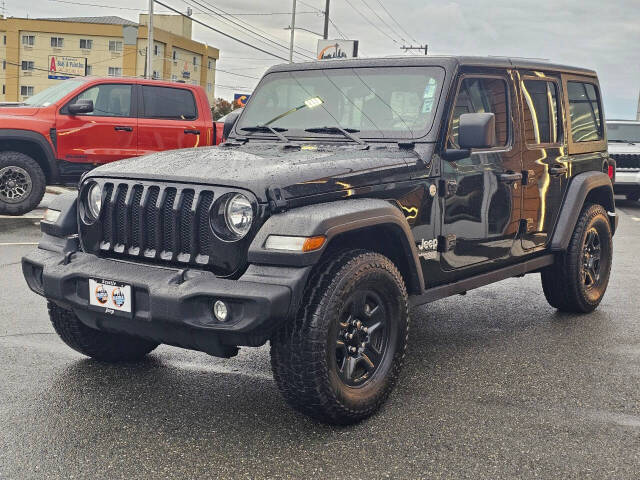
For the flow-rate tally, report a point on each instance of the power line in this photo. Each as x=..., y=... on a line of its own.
x=370, y=22
x=242, y=25
x=383, y=21
x=221, y=32
x=396, y=22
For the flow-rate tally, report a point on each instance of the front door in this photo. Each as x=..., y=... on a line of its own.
x=481, y=193
x=107, y=134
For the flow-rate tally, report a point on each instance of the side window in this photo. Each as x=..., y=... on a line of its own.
x=585, y=112
x=168, y=103
x=109, y=100
x=541, y=117
x=481, y=95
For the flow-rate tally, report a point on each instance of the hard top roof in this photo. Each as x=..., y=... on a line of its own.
x=449, y=62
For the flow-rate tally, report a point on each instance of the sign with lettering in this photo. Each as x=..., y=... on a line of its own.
x=328, y=49
x=63, y=67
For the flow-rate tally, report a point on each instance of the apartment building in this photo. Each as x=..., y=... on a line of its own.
x=99, y=46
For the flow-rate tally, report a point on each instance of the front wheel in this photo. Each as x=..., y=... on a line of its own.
x=339, y=359
x=22, y=183
x=578, y=279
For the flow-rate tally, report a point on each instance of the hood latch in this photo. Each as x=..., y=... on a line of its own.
x=277, y=202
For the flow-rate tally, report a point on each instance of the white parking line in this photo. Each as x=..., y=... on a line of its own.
x=12, y=244
x=28, y=217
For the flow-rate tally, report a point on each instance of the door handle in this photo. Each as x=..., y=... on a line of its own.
x=122, y=128
x=510, y=177
x=192, y=131
x=557, y=170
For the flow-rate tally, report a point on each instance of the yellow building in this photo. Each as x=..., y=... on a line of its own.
x=112, y=46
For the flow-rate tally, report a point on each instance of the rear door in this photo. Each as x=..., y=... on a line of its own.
x=481, y=193
x=168, y=119
x=107, y=134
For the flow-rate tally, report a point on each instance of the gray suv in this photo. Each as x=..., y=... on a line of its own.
x=624, y=147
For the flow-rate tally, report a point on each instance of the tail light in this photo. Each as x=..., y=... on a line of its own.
x=611, y=171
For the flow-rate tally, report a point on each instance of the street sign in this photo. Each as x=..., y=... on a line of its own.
x=63, y=67
x=328, y=49
x=240, y=99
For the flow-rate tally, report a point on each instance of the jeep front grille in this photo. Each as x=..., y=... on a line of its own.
x=168, y=223
x=626, y=161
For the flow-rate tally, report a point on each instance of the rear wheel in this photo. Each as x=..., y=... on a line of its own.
x=340, y=358
x=578, y=279
x=105, y=346
x=22, y=183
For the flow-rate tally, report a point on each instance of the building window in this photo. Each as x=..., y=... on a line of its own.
x=26, y=91
x=195, y=61
x=4, y=64
x=28, y=40
x=57, y=42
x=156, y=51
x=86, y=43
x=4, y=89
x=209, y=87
x=175, y=56
x=156, y=75
x=115, y=46
x=115, y=71
x=89, y=69
x=210, y=64
x=4, y=40
x=174, y=78
x=27, y=65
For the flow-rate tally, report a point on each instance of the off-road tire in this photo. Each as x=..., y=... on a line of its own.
x=634, y=196
x=104, y=346
x=563, y=282
x=304, y=353
x=36, y=176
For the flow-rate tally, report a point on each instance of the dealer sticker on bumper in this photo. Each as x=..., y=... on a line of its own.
x=113, y=296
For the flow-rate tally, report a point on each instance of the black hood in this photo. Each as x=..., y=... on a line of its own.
x=299, y=172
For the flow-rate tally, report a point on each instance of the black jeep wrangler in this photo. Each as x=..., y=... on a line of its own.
x=348, y=191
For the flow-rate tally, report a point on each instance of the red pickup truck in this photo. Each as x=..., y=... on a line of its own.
x=53, y=137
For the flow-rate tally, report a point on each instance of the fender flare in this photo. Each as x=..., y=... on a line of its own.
x=333, y=219
x=50, y=165
x=577, y=193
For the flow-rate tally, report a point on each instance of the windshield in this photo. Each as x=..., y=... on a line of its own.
x=53, y=94
x=623, y=132
x=392, y=102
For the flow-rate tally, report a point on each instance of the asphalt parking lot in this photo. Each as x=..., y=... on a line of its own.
x=497, y=384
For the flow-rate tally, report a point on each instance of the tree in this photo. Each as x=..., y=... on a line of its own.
x=220, y=108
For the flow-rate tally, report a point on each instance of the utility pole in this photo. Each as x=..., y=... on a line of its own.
x=293, y=29
x=326, y=20
x=149, y=64
x=411, y=47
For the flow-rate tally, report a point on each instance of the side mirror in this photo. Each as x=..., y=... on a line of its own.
x=477, y=130
x=229, y=122
x=81, y=106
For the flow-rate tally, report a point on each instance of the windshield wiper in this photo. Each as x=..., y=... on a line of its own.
x=347, y=132
x=267, y=128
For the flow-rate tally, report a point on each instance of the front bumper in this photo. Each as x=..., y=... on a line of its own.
x=626, y=181
x=169, y=305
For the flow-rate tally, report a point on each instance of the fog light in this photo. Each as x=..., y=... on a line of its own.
x=220, y=311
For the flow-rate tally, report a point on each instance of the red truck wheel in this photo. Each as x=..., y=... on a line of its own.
x=22, y=183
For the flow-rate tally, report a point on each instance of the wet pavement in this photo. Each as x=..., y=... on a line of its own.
x=497, y=384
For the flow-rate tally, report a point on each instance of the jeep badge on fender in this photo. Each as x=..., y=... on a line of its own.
x=318, y=223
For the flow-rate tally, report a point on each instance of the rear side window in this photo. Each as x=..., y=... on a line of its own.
x=585, y=112
x=482, y=95
x=168, y=103
x=541, y=120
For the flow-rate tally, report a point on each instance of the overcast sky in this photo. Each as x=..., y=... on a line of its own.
x=600, y=34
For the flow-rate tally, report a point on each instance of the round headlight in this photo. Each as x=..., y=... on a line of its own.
x=238, y=214
x=94, y=200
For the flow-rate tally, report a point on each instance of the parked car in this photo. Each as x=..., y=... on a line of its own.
x=55, y=136
x=347, y=192
x=624, y=146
